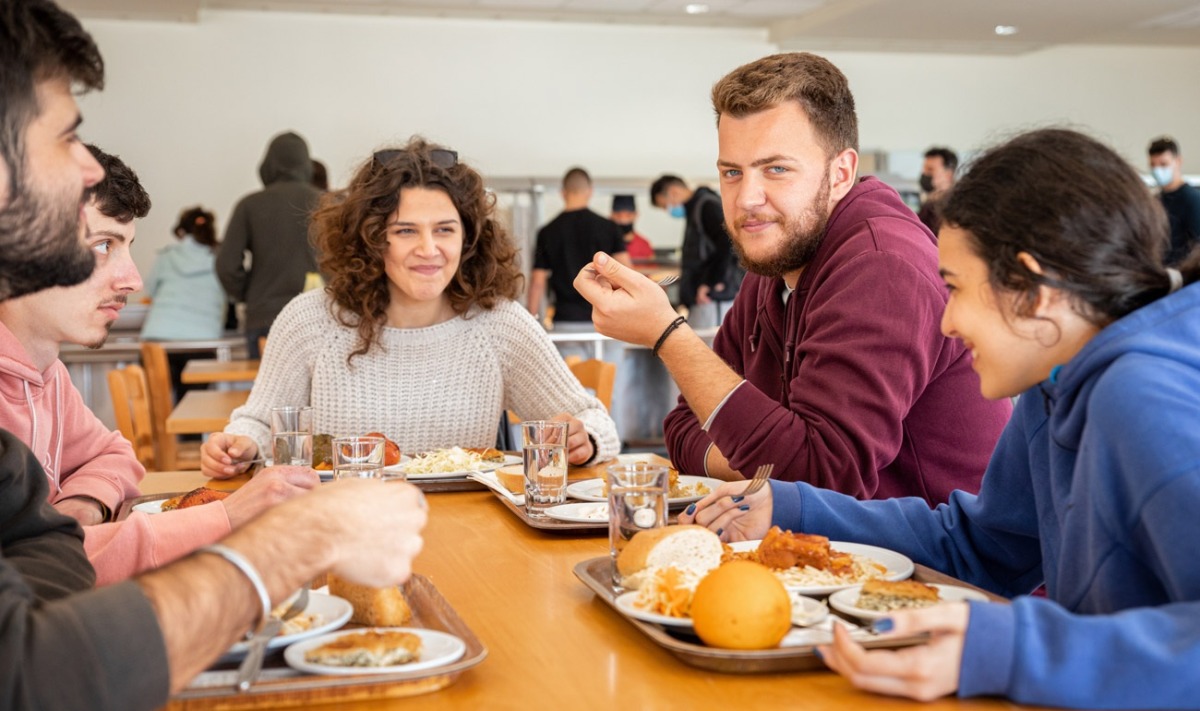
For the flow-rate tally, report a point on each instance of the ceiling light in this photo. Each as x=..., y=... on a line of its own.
x=695, y=8
x=1006, y=30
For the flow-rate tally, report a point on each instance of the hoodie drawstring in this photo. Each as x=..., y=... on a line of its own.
x=49, y=462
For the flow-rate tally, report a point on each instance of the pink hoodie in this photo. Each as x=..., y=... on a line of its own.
x=81, y=457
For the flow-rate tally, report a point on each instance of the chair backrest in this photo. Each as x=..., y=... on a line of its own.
x=158, y=379
x=597, y=375
x=131, y=407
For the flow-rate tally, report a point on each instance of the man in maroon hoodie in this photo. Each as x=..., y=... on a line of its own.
x=831, y=365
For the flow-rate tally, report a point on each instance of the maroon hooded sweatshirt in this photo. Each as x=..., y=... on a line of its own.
x=851, y=386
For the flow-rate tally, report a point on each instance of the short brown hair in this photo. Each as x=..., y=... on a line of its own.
x=812, y=81
x=350, y=231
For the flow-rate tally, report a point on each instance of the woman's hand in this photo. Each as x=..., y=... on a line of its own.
x=225, y=455
x=731, y=516
x=923, y=672
x=579, y=445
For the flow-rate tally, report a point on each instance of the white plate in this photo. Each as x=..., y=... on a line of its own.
x=625, y=605
x=846, y=600
x=580, y=513
x=806, y=611
x=437, y=648
x=899, y=567
x=150, y=507
x=461, y=474
x=593, y=489
x=334, y=612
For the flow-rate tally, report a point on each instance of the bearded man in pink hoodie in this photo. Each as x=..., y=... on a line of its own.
x=90, y=468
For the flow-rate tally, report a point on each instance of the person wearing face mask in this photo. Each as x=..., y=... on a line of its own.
x=624, y=213
x=937, y=177
x=1181, y=201
x=709, y=275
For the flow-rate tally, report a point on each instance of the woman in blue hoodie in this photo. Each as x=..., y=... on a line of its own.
x=1052, y=249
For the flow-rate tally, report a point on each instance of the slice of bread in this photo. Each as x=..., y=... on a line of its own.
x=375, y=607
x=376, y=648
x=512, y=478
x=888, y=595
x=688, y=547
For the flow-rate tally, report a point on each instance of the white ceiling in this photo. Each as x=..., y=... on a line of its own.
x=959, y=26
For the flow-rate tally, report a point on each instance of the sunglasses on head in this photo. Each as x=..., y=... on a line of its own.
x=441, y=157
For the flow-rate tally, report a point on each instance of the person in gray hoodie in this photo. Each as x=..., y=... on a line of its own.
x=271, y=225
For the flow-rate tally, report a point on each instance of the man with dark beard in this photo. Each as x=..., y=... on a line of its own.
x=126, y=646
x=831, y=365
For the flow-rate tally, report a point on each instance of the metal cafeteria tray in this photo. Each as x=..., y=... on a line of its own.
x=596, y=573
x=282, y=686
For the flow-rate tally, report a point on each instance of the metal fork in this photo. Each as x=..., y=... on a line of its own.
x=251, y=666
x=759, y=481
x=664, y=282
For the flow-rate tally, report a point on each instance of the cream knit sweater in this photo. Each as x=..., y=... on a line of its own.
x=426, y=388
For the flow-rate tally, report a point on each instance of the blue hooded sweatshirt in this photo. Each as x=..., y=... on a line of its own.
x=1094, y=489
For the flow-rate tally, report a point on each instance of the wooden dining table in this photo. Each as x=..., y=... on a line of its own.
x=207, y=371
x=204, y=411
x=551, y=643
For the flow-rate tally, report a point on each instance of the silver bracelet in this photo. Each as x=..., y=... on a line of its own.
x=240, y=562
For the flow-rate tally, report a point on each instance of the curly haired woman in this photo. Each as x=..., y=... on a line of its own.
x=417, y=334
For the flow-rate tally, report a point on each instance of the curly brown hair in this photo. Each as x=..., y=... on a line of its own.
x=350, y=232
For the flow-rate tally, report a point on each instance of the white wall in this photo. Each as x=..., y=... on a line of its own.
x=191, y=106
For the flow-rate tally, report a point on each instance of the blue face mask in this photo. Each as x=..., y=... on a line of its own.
x=676, y=211
x=1163, y=175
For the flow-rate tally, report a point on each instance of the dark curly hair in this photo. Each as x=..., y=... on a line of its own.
x=120, y=195
x=350, y=231
x=1076, y=207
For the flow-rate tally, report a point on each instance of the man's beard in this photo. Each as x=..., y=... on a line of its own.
x=40, y=245
x=802, y=236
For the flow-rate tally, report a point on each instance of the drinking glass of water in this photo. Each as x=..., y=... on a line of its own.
x=545, y=454
x=358, y=457
x=292, y=436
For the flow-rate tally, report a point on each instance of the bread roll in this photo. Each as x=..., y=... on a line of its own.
x=690, y=547
x=374, y=607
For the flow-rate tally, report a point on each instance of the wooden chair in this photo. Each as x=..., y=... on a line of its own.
x=131, y=408
x=169, y=452
x=596, y=375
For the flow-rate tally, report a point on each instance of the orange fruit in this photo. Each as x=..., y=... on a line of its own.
x=741, y=605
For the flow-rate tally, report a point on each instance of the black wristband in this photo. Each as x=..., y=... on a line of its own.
x=679, y=321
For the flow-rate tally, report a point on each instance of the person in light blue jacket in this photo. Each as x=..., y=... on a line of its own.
x=1052, y=250
x=188, y=302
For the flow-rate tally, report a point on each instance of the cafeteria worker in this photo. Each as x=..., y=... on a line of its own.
x=1052, y=249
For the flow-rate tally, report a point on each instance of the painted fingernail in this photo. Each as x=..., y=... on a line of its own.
x=744, y=507
x=883, y=624
x=690, y=510
x=720, y=531
x=736, y=499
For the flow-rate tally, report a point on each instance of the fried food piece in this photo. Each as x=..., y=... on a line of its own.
x=369, y=649
x=888, y=595
x=195, y=497
x=391, y=450
x=783, y=549
x=729, y=554
x=487, y=454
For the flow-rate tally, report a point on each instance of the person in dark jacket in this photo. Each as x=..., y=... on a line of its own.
x=831, y=365
x=709, y=274
x=271, y=226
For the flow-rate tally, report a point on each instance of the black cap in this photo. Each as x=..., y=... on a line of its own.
x=624, y=203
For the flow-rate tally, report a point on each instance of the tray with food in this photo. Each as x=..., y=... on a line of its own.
x=400, y=642
x=731, y=611
x=434, y=471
